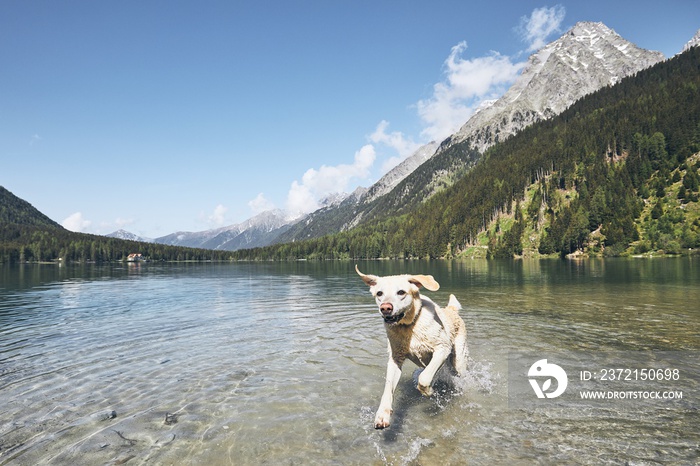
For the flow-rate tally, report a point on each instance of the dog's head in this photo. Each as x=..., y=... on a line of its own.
x=398, y=296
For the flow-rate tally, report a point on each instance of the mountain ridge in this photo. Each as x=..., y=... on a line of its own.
x=127, y=235
x=28, y=235
x=617, y=173
x=527, y=101
x=563, y=65
x=14, y=210
x=255, y=231
x=396, y=192
x=433, y=167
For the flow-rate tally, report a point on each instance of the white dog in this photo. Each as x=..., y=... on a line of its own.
x=417, y=329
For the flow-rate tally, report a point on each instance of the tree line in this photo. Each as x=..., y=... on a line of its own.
x=23, y=243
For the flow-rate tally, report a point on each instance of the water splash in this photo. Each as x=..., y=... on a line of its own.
x=415, y=449
x=480, y=376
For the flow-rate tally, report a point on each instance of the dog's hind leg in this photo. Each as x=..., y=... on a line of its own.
x=460, y=351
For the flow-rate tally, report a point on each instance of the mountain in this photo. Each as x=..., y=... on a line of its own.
x=586, y=58
x=126, y=235
x=27, y=235
x=260, y=230
x=14, y=210
x=694, y=42
x=344, y=215
x=399, y=172
x=330, y=218
x=192, y=239
x=617, y=173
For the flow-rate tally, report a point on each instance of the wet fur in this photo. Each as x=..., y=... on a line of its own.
x=417, y=329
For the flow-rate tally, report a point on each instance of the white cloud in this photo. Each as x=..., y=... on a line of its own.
x=315, y=184
x=260, y=204
x=123, y=222
x=218, y=217
x=76, y=222
x=118, y=224
x=300, y=200
x=466, y=84
x=396, y=140
x=542, y=22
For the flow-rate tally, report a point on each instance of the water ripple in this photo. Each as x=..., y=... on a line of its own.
x=270, y=363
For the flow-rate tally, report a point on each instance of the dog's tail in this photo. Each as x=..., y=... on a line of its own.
x=454, y=303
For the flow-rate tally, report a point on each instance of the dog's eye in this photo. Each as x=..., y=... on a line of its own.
x=401, y=292
x=379, y=293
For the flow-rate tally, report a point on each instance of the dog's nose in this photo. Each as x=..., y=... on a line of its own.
x=386, y=308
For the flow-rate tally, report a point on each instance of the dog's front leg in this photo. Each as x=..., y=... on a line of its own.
x=425, y=379
x=393, y=374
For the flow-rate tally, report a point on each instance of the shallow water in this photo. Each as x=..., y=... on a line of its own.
x=284, y=364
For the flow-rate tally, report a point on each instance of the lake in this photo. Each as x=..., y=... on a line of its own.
x=284, y=363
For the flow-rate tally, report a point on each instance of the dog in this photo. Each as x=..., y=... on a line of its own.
x=417, y=329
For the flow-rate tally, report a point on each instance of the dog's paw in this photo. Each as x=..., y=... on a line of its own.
x=424, y=385
x=382, y=419
x=425, y=390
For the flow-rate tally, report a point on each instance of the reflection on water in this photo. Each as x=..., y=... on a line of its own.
x=284, y=363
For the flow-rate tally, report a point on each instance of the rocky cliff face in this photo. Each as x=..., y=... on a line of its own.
x=398, y=173
x=585, y=59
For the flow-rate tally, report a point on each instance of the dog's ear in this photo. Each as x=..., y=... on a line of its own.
x=424, y=280
x=371, y=280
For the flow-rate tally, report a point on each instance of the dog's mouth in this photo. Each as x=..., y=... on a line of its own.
x=393, y=319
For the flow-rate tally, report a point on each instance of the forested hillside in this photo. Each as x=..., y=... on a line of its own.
x=14, y=210
x=616, y=173
x=28, y=235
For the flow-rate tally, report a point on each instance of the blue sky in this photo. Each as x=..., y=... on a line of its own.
x=161, y=116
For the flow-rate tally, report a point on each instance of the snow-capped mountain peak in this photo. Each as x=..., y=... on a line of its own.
x=256, y=231
x=589, y=56
x=332, y=199
x=127, y=235
x=694, y=42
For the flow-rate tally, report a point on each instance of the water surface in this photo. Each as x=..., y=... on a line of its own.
x=284, y=364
